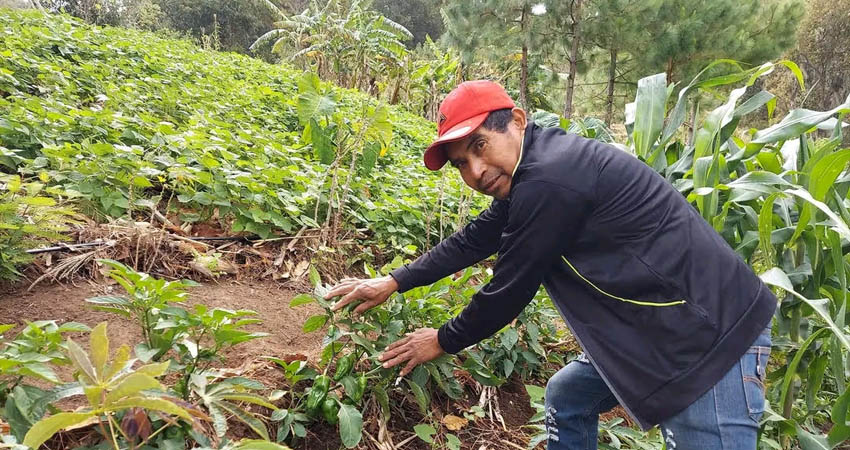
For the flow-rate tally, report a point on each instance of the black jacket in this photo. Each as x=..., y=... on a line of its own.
x=659, y=302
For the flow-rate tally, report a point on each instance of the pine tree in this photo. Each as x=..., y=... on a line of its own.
x=682, y=36
x=612, y=29
x=500, y=30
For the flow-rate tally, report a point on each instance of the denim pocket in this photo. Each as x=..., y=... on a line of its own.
x=753, y=366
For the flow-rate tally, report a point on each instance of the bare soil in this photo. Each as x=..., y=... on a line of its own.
x=67, y=303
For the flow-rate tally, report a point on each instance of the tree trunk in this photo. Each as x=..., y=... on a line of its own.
x=612, y=74
x=571, y=81
x=396, y=90
x=523, y=76
x=692, y=127
x=669, y=71
x=523, y=79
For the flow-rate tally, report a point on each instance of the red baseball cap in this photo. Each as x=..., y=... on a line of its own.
x=461, y=112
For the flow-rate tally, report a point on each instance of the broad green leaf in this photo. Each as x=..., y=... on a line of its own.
x=56, y=394
x=255, y=424
x=421, y=397
x=349, y=383
x=350, y=425
x=312, y=102
x=279, y=414
x=68, y=327
x=81, y=360
x=249, y=398
x=45, y=428
x=39, y=201
x=840, y=431
x=383, y=399
x=649, y=115
x=301, y=299
x=256, y=444
x=369, y=157
x=132, y=384
x=313, y=323
x=99, y=343
x=535, y=393
x=452, y=442
x=425, y=432
x=154, y=370
x=155, y=404
x=219, y=419
x=510, y=338
x=39, y=370
x=322, y=144
x=796, y=123
x=809, y=441
x=777, y=277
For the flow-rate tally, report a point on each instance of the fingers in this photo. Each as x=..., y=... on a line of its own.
x=395, y=348
x=366, y=305
x=411, y=364
x=352, y=296
x=343, y=287
x=400, y=358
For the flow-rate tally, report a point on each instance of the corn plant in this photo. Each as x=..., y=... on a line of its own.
x=778, y=196
x=110, y=386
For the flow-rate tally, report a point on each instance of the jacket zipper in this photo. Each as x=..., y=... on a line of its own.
x=636, y=302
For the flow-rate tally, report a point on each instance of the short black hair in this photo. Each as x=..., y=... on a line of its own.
x=498, y=120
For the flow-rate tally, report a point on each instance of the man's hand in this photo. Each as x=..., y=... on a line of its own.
x=416, y=347
x=372, y=291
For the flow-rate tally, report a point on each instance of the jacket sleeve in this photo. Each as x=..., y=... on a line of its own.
x=476, y=241
x=543, y=219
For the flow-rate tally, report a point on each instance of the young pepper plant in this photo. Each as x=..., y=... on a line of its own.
x=146, y=297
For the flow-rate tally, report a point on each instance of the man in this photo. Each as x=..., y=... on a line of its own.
x=671, y=320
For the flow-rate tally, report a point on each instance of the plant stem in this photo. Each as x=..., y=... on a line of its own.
x=112, y=432
x=127, y=438
x=154, y=434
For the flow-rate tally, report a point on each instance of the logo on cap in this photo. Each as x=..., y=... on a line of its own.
x=442, y=119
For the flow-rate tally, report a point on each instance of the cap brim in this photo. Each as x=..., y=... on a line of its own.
x=435, y=155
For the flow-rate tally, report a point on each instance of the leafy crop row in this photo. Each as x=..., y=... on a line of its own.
x=124, y=121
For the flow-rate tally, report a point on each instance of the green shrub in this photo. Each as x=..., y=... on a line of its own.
x=30, y=215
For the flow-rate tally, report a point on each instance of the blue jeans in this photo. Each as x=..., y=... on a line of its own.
x=726, y=417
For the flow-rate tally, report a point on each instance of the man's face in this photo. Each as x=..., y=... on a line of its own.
x=486, y=158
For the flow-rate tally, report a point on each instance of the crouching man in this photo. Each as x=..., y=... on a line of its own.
x=673, y=324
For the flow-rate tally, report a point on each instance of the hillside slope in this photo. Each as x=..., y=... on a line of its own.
x=120, y=118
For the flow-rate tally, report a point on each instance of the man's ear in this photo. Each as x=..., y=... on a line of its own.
x=519, y=119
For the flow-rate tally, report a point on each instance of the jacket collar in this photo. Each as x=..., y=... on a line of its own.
x=525, y=148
